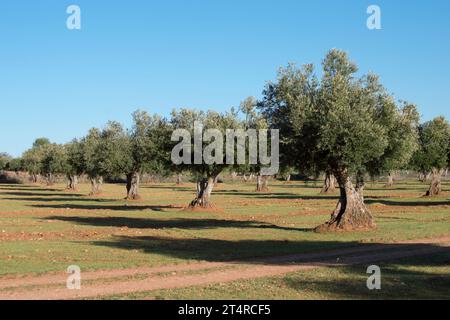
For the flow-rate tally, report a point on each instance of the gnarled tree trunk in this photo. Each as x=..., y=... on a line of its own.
x=351, y=213
x=262, y=183
x=204, y=190
x=72, y=182
x=360, y=184
x=390, y=181
x=34, y=178
x=435, y=186
x=288, y=178
x=329, y=184
x=96, y=186
x=234, y=176
x=179, y=179
x=133, y=180
x=50, y=179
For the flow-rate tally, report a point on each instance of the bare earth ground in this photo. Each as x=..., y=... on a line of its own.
x=30, y=288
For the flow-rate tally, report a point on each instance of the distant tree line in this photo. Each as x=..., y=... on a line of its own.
x=344, y=126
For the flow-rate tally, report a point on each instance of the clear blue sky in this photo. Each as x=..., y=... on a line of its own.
x=157, y=55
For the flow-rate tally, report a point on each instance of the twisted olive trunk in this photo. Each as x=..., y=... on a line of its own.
x=72, y=183
x=329, y=184
x=204, y=190
x=435, y=186
x=351, y=213
x=179, y=179
x=133, y=180
x=262, y=183
x=390, y=182
x=50, y=179
x=96, y=186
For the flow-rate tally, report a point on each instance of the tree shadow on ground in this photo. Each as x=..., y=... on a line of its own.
x=268, y=195
x=41, y=194
x=280, y=252
x=397, y=282
x=173, y=188
x=75, y=198
x=180, y=223
x=371, y=200
x=104, y=207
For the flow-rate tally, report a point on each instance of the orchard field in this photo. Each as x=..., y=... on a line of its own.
x=250, y=245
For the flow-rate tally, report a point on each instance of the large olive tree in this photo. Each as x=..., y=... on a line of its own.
x=335, y=124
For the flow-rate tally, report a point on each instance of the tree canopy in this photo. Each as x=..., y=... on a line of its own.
x=340, y=123
x=432, y=154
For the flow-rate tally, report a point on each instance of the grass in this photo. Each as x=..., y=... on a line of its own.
x=416, y=278
x=44, y=229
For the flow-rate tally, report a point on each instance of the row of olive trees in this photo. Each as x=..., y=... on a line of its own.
x=345, y=126
x=113, y=152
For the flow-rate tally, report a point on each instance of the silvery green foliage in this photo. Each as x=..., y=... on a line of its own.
x=340, y=122
x=434, y=146
x=5, y=159
x=220, y=122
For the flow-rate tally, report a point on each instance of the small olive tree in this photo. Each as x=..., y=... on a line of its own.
x=32, y=158
x=75, y=164
x=191, y=147
x=4, y=160
x=402, y=124
x=105, y=154
x=53, y=162
x=433, y=152
x=146, y=150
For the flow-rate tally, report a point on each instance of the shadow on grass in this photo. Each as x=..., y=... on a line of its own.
x=397, y=281
x=180, y=223
x=271, y=252
x=103, y=207
x=425, y=203
x=173, y=188
x=259, y=195
x=75, y=198
x=57, y=193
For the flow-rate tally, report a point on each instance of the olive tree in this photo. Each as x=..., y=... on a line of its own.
x=15, y=164
x=91, y=159
x=254, y=120
x=75, y=164
x=4, y=160
x=334, y=125
x=402, y=124
x=105, y=154
x=53, y=161
x=146, y=150
x=433, y=151
x=32, y=158
x=205, y=164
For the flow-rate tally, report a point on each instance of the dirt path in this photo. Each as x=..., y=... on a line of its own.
x=113, y=282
